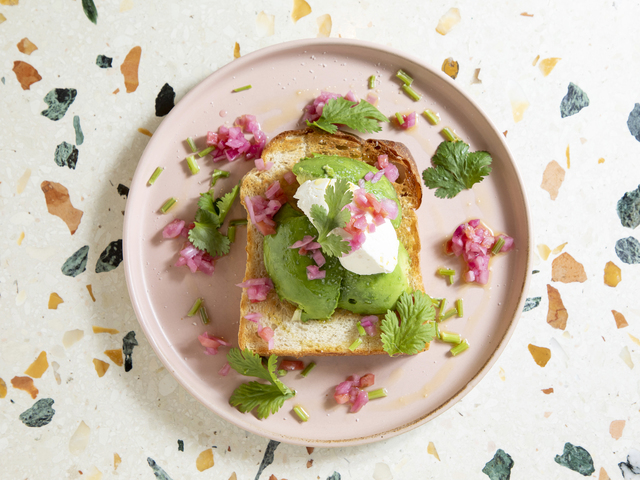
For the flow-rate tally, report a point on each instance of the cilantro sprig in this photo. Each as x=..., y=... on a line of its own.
x=416, y=326
x=337, y=197
x=361, y=116
x=265, y=398
x=209, y=217
x=455, y=168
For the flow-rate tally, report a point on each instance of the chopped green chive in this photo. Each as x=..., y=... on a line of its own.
x=451, y=279
x=498, y=246
x=204, y=316
x=193, y=164
x=355, y=344
x=443, y=305
x=446, y=271
x=450, y=313
x=206, y=151
x=307, y=369
x=195, y=308
x=431, y=116
x=168, y=204
x=218, y=174
x=400, y=119
x=449, y=337
x=415, y=96
x=282, y=373
x=231, y=233
x=155, y=175
x=372, y=81
x=329, y=171
x=461, y=347
x=301, y=413
x=192, y=145
x=459, y=308
x=437, y=330
x=449, y=134
x=238, y=221
x=240, y=89
x=406, y=79
x=361, y=330
x=379, y=393
x=436, y=302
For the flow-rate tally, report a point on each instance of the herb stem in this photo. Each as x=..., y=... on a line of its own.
x=372, y=81
x=459, y=307
x=193, y=164
x=307, y=369
x=301, y=413
x=195, y=308
x=355, y=344
x=282, y=372
x=415, y=96
x=498, y=246
x=155, y=175
x=446, y=271
x=204, y=316
x=379, y=393
x=450, y=313
x=431, y=116
x=238, y=221
x=206, y=151
x=231, y=233
x=218, y=174
x=406, y=79
x=449, y=134
x=168, y=204
x=240, y=89
x=361, y=330
x=192, y=144
x=461, y=347
x=399, y=118
x=443, y=305
x=450, y=337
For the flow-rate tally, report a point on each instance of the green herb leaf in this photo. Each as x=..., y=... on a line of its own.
x=224, y=203
x=90, y=10
x=416, y=326
x=337, y=196
x=205, y=236
x=455, y=169
x=362, y=116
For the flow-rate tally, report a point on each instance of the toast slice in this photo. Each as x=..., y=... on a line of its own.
x=334, y=336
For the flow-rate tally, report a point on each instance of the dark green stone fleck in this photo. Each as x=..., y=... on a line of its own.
x=90, y=10
x=128, y=342
x=103, y=61
x=59, y=101
x=533, y=272
x=633, y=122
x=268, y=457
x=40, y=414
x=110, y=258
x=180, y=446
x=629, y=208
x=165, y=100
x=628, y=250
x=123, y=190
x=76, y=263
x=576, y=459
x=499, y=467
x=531, y=303
x=66, y=155
x=574, y=101
x=157, y=471
x=78, y=129
x=3, y=80
x=334, y=476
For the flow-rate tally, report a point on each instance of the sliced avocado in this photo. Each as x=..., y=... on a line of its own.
x=288, y=269
x=375, y=294
x=349, y=169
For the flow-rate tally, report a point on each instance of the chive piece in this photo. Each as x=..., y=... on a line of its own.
x=218, y=174
x=155, y=175
x=400, y=119
x=238, y=221
x=431, y=116
x=443, y=305
x=415, y=96
x=206, y=151
x=240, y=89
x=307, y=369
x=329, y=171
x=372, y=81
x=461, y=347
x=231, y=233
x=204, y=316
x=451, y=279
x=406, y=79
x=459, y=308
x=195, y=308
x=498, y=246
x=355, y=344
x=361, y=330
x=282, y=373
x=446, y=271
x=192, y=164
x=450, y=313
x=168, y=204
x=437, y=331
x=379, y=393
x=301, y=413
x=192, y=144
x=436, y=302
x=449, y=134
x=450, y=337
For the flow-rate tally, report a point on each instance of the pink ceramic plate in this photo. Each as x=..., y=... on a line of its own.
x=285, y=78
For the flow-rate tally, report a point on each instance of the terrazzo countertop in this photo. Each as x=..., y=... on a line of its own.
x=84, y=85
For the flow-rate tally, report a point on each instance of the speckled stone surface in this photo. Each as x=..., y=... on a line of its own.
x=81, y=83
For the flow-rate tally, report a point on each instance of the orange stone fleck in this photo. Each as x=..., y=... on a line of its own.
x=54, y=301
x=2, y=18
x=115, y=356
x=38, y=367
x=544, y=251
x=3, y=389
x=557, y=314
x=552, y=179
x=612, y=274
x=547, y=65
x=525, y=14
x=21, y=238
x=236, y=50
x=324, y=25
x=101, y=367
x=621, y=322
x=26, y=384
x=601, y=160
x=603, y=474
x=547, y=414
x=300, y=9
x=616, y=428
x=144, y=131
x=431, y=450
x=59, y=204
x=310, y=450
x=26, y=46
x=450, y=67
x=566, y=269
x=547, y=391
x=559, y=248
x=97, y=329
x=535, y=60
x=310, y=463
x=541, y=355
x=9, y=2
x=129, y=69
x=448, y=21
x=26, y=74
x=205, y=460
x=635, y=340
x=91, y=292
x=116, y=461
x=568, y=154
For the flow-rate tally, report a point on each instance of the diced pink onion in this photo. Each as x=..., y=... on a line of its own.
x=174, y=229
x=306, y=240
x=224, y=371
x=351, y=97
x=318, y=257
x=372, y=98
x=383, y=161
x=211, y=343
x=230, y=142
x=391, y=172
x=376, y=178
x=289, y=177
x=369, y=324
x=360, y=401
x=368, y=176
x=257, y=288
x=314, y=272
x=196, y=260
x=409, y=121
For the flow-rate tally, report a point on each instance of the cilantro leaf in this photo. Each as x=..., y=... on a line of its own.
x=455, y=169
x=361, y=116
x=209, y=217
x=223, y=204
x=416, y=326
x=337, y=196
x=267, y=398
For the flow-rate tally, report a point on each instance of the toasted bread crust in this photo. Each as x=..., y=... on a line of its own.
x=334, y=336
